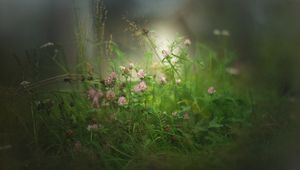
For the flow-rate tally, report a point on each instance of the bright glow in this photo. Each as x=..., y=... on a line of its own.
x=164, y=36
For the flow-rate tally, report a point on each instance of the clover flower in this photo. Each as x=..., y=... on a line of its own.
x=187, y=42
x=211, y=90
x=233, y=71
x=122, y=101
x=113, y=75
x=94, y=95
x=178, y=81
x=110, y=80
x=25, y=83
x=225, y=33
x=141, y=74
x=110, y=95
x=93, y=126
x=141, y=87
x=124, y=70
x=216, y=32
x=91, y=93
x=131, y=66
x=174, y=113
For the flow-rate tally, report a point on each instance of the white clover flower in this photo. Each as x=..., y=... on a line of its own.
x=174, y=113
x=25, y=83
x=187, y=42
x=93, y=127
x=178, y=81
x=217, y=32
x=124, y=70
x=233, y=71
x=225, y=33
x=131, y=66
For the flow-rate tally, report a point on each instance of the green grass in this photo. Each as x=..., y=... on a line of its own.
x=169, y=125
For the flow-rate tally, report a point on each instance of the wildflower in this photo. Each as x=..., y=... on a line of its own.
x=94, y=95
x=91, y=93
x=93, y=126
x=25, y=83
x=140, y=87
x=211, y=90
x=217, y=32
x=233, y=71
x=124, y=70
x=110, y=80
x=162, y=80
x=122, y=101
x=174, y=113
x=110, y=95
x=178, y=81
x=141, y=74
x=113, y=75
x=225, y=33
x=131, y=66
x=186, y=116
x=187, y=42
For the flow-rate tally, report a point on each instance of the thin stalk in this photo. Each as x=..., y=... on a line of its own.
x=35, y=136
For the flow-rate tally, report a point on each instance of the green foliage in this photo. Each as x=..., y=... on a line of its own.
x=180, y=105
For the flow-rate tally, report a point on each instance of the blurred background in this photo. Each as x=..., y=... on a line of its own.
x=264, y=34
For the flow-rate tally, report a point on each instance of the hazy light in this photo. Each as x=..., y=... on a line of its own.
x=164, y=36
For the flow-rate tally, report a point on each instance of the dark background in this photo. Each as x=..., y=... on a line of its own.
x=265, y=34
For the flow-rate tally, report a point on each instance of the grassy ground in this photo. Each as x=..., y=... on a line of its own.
x=173, y=111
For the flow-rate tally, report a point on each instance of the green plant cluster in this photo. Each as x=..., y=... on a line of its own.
x=174, y=103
